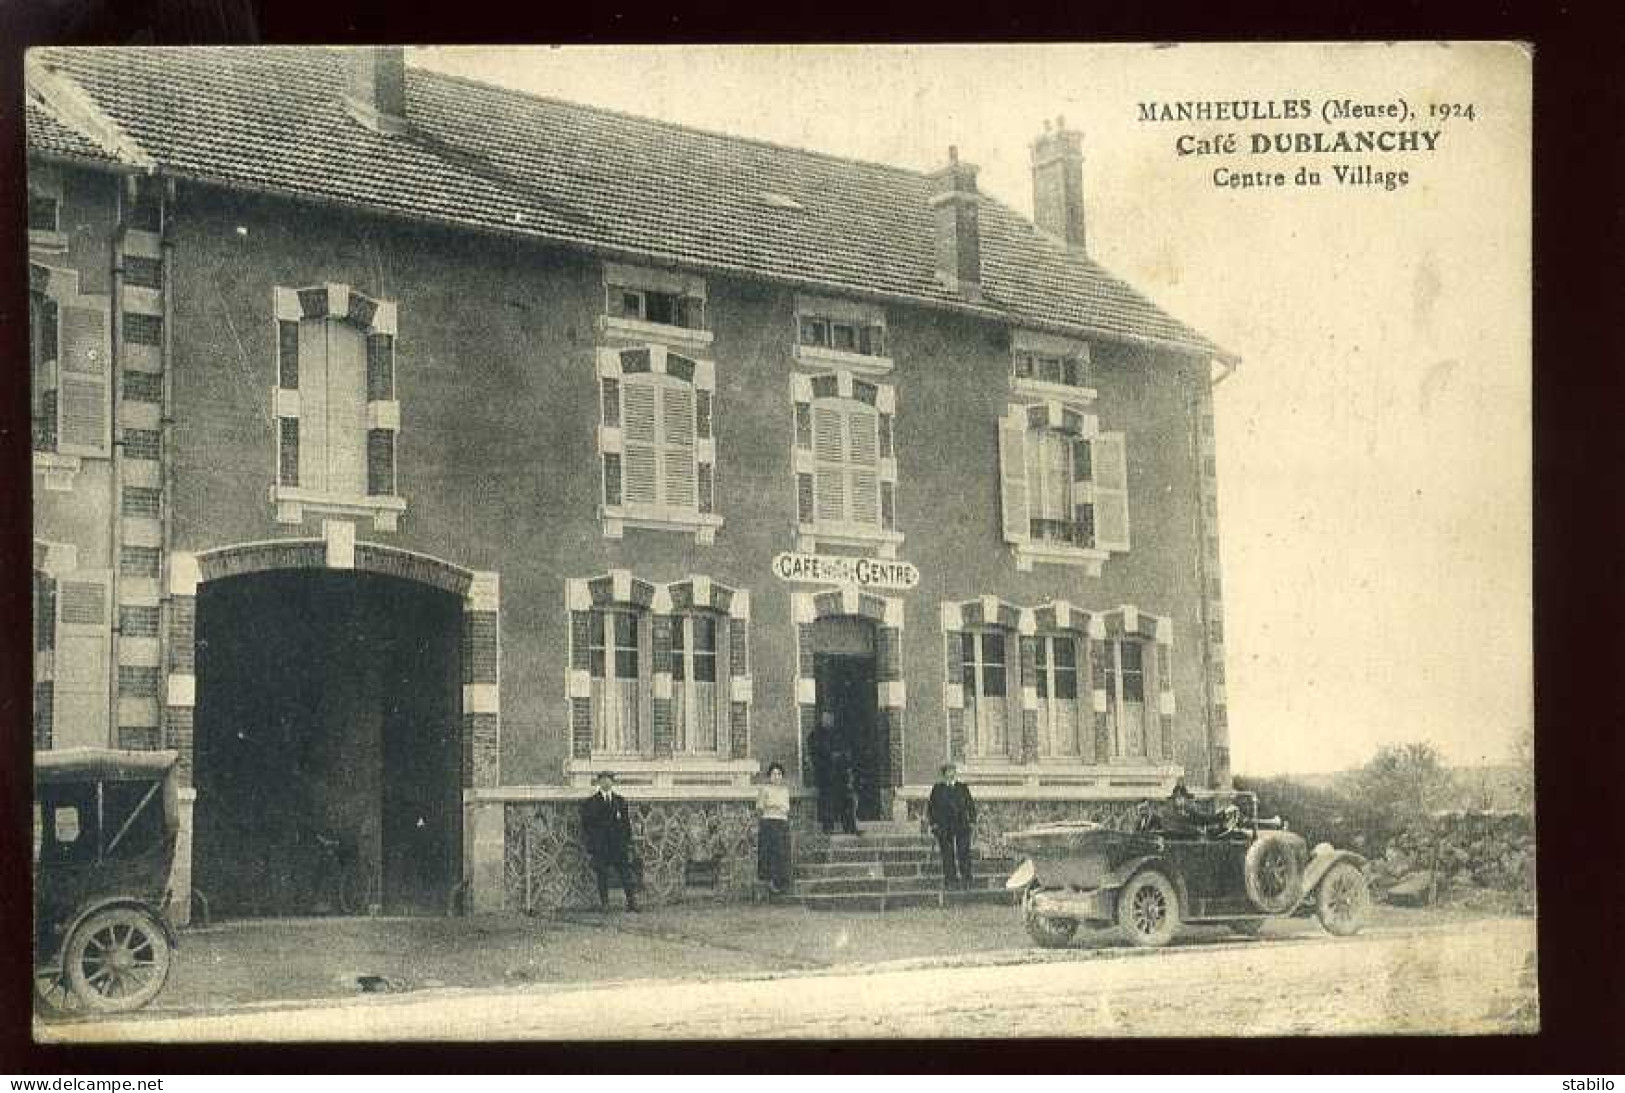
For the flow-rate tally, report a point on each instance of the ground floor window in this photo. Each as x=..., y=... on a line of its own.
x=1060, y=721
x=697, y=727
x=616, y=661
x=1125, y=697
x=986, y=689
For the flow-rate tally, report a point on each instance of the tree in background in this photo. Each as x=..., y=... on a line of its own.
x=1405, y=781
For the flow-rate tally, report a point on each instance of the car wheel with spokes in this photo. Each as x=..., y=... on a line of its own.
x=1343, y=901
x=1049, y=931
x=117, y=960
x=1148, y=909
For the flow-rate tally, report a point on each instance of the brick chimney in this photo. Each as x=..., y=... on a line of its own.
x=1058, y=184
x=375, y=87
x=956, y=219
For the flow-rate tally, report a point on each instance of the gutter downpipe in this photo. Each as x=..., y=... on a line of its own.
x=166, y=443
x=115, y=504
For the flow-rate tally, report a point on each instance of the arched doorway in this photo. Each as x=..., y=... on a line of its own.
x=327, y=744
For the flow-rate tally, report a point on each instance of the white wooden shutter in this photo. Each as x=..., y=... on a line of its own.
x=80, y=717
x=829, y=452
x=346, y=410
x=864, y=458
x=677, y=444
x=313, y=405
x=84, y=394
x=1013, y=478
x=640, y=438
x=1110, y=465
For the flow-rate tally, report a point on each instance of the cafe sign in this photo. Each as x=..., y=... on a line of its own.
x=877, y=574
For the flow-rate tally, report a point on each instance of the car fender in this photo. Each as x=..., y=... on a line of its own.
x=1321, y=862
x=1125, y=872
x=107, y=902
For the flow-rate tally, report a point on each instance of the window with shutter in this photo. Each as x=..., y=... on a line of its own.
x=335, y=401
x=71, y=358
x=1108, y=452
x=81, y=669
x=45, y=208
x=42, y=355
x=332, y=408
x=1063, y=486
x=656, y=434
x=843, y=450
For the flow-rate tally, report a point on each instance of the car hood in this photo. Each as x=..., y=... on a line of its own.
x=1074, y=837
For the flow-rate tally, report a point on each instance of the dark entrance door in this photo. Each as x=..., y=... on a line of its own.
x=846, y=688
x=327, y=744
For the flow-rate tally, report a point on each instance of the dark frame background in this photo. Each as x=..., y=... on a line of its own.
x=1579, y=179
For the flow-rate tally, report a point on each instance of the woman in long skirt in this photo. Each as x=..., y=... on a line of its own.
x=773, y=831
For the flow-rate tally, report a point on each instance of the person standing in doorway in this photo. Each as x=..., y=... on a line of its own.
x=821, y=753
x=606, y=825
x=951, y=812
x=773, y=831
x=843, y=786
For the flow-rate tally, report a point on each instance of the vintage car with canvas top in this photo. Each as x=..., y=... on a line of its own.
x=1208, y=860
x=105, y=827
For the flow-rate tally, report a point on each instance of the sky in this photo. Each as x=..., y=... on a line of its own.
x=1374, y=444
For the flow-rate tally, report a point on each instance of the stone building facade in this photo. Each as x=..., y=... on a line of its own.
x=406, y=450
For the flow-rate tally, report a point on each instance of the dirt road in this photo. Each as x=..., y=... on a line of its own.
x=1471, y=978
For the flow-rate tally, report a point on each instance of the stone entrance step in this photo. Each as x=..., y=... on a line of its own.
x=907, y=897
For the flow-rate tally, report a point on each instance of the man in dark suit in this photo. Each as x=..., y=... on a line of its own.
x=951, y=812
x=606, y=824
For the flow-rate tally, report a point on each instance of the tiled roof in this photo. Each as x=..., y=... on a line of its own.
x=49, y=134
x=487, y=157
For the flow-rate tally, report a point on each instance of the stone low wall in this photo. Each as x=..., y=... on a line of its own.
x=546, y=866
x=695, y=847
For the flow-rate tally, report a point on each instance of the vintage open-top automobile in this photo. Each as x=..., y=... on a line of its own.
x=106, y=823
x=1208, y=859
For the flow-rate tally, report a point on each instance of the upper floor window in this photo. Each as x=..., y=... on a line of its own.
x=642, y=303
x=70, y=367
x=846, y=468
x=336, y=406
x=45, y=207
x=846, y=336
x=44, y=212
x=650, y=306
x=847, y=333
x=655, y=438
x=1070, y=371
x=1063, y=486
x=1043, y=364
x=42, y=357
